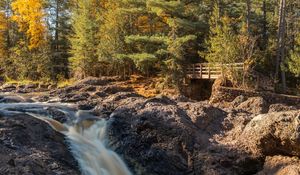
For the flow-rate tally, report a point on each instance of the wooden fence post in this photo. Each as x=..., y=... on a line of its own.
x=200, y=71
x=193, y=70
x=208, y=71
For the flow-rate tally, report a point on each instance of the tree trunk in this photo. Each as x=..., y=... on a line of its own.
x=248, y=16
x=265, y=29
x=281, y=44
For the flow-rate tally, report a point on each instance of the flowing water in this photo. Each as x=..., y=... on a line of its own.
x=85, y=134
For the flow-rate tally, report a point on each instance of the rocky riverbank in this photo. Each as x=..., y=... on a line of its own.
x=160, y=135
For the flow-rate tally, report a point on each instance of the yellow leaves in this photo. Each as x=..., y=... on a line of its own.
x=29, y=16
x=3, y=28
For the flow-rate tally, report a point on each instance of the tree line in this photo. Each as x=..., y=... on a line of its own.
x=53, y=39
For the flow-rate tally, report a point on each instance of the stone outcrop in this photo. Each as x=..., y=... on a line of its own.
x=29, y=146
x=273, y=134
x=165, y=135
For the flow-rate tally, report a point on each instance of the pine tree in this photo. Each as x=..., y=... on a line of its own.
x=111, y=40
x=139, y=39
x=174, y=39
x=294, y=61
x=59, y=27
x=84, y=41
x=222, y=42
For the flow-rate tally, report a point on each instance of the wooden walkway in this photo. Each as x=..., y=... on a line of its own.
x=210, y=71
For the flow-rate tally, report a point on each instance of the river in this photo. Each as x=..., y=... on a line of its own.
x=85, y=133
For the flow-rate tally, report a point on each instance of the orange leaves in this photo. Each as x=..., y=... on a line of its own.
x=29, y=16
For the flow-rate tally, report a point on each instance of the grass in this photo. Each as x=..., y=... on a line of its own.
x=60, y=83
x=21, y=82
x=65, y=82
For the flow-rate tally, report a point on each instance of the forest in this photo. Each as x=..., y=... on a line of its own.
x=55, y=40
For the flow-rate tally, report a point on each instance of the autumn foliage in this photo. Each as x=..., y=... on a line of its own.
x=29, y=14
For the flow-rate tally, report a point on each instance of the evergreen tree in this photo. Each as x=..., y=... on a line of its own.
x=140, y=39
x=59, y=27
x=294, y=61
x=222, y=42
x=84, y=41
x=111, y=40
x=181, y=33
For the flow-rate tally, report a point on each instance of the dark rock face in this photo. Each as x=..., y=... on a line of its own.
x=156, y=139
x=29, y=146
x=161, y=135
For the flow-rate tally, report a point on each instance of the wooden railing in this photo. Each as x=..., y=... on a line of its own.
x=210, y=71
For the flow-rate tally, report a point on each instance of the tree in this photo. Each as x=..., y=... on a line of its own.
x=294, y=61
x=3, y=29
x=59, y=25
x=84, y=42
x=29, y=16
x=183, y=27
x=280, y=57
x=111, y=36
x=222, y=42
x=30, y=52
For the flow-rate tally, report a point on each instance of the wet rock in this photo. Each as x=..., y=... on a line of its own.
x=14, y=99
x=29, y=146
x=58, y=115
x=42, y=98
x=86, y=105
x=8, y=87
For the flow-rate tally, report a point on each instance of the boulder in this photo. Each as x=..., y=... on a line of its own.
x=273, y=134
x=97, y=81
x=29, y=146
x=255, y=105
x=281, y=165
x=157, y=139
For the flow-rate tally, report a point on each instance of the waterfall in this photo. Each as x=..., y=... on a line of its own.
x=86, y=137
x=88, y=148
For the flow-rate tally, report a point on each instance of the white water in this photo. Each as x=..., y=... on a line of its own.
x=94, y=158
x=86, y=139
